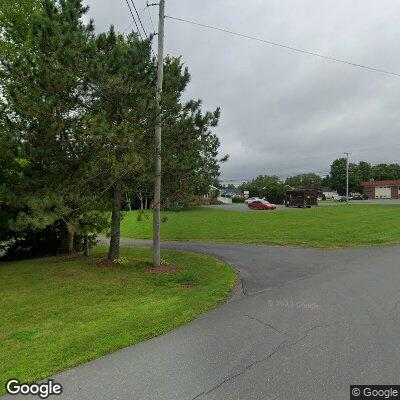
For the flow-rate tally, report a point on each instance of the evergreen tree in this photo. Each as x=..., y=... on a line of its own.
x=77, y=127
x=189, y=145
x=122, y=75
x=44, y=102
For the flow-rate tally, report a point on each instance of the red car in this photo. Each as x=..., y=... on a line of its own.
x=261, y=205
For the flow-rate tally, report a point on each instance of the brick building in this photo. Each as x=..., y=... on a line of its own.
x=382, y=189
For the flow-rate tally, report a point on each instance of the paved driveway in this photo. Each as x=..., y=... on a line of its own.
x=307, y=324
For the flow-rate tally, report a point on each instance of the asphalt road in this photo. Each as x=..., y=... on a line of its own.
x=378, y=201
x=306, y=324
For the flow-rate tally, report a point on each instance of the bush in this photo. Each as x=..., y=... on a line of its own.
x=123, y=261
x=205, y=202
x=238, y=200
x=34, y=243
x=215, y=202
x=52, y=240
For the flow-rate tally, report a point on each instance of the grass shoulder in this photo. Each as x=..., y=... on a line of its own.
x=61, y=312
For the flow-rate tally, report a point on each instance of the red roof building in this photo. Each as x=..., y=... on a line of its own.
x=389, y=189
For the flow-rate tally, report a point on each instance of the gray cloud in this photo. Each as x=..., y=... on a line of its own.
x=285, y=112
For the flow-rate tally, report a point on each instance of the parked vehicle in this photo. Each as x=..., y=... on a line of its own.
x=261, y=204
x=359, y=197
x=305, y=198
x=251, y=199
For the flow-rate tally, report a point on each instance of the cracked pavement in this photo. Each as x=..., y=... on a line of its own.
x=303, y=324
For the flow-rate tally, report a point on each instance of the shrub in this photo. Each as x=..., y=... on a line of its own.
x=205, y=202
x=121, y=261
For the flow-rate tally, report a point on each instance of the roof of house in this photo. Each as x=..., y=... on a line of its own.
x=235, y=192
x=392, y=182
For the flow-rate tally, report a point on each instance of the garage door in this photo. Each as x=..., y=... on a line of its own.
x=383, y=192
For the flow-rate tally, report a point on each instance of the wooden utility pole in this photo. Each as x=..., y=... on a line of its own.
x=157, y=183
x=347, y=177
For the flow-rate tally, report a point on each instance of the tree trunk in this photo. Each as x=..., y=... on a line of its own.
x=128, y=200
x=86, y=246
x=145, y=204
x=113, y=252
x=141, y=200
x=70, y=240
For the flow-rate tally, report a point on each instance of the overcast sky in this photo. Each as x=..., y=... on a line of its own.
x=284, y=112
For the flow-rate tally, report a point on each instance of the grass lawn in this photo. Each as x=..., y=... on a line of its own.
x=58, y=313
x=340, y=226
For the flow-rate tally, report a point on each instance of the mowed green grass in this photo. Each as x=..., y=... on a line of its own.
x=340, y=226
x=60, y=313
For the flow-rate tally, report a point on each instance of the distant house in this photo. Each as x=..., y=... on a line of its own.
x=231, y=193
x=328, y=192
x=223, y=195
x=389, y=189
x=213, y=193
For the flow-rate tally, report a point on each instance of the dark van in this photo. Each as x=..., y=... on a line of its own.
x=304, y=198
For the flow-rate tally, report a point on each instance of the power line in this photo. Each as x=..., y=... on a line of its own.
x=311, y=53
x=374, y=147
x=127, y=27
x=134, y=20
x=140, y=20
x=151, y=19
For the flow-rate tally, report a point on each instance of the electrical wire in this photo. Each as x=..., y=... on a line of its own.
x=311, y=53
x=134, y=20
x=140, y=20
x=151, y=19
x=137, y=26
